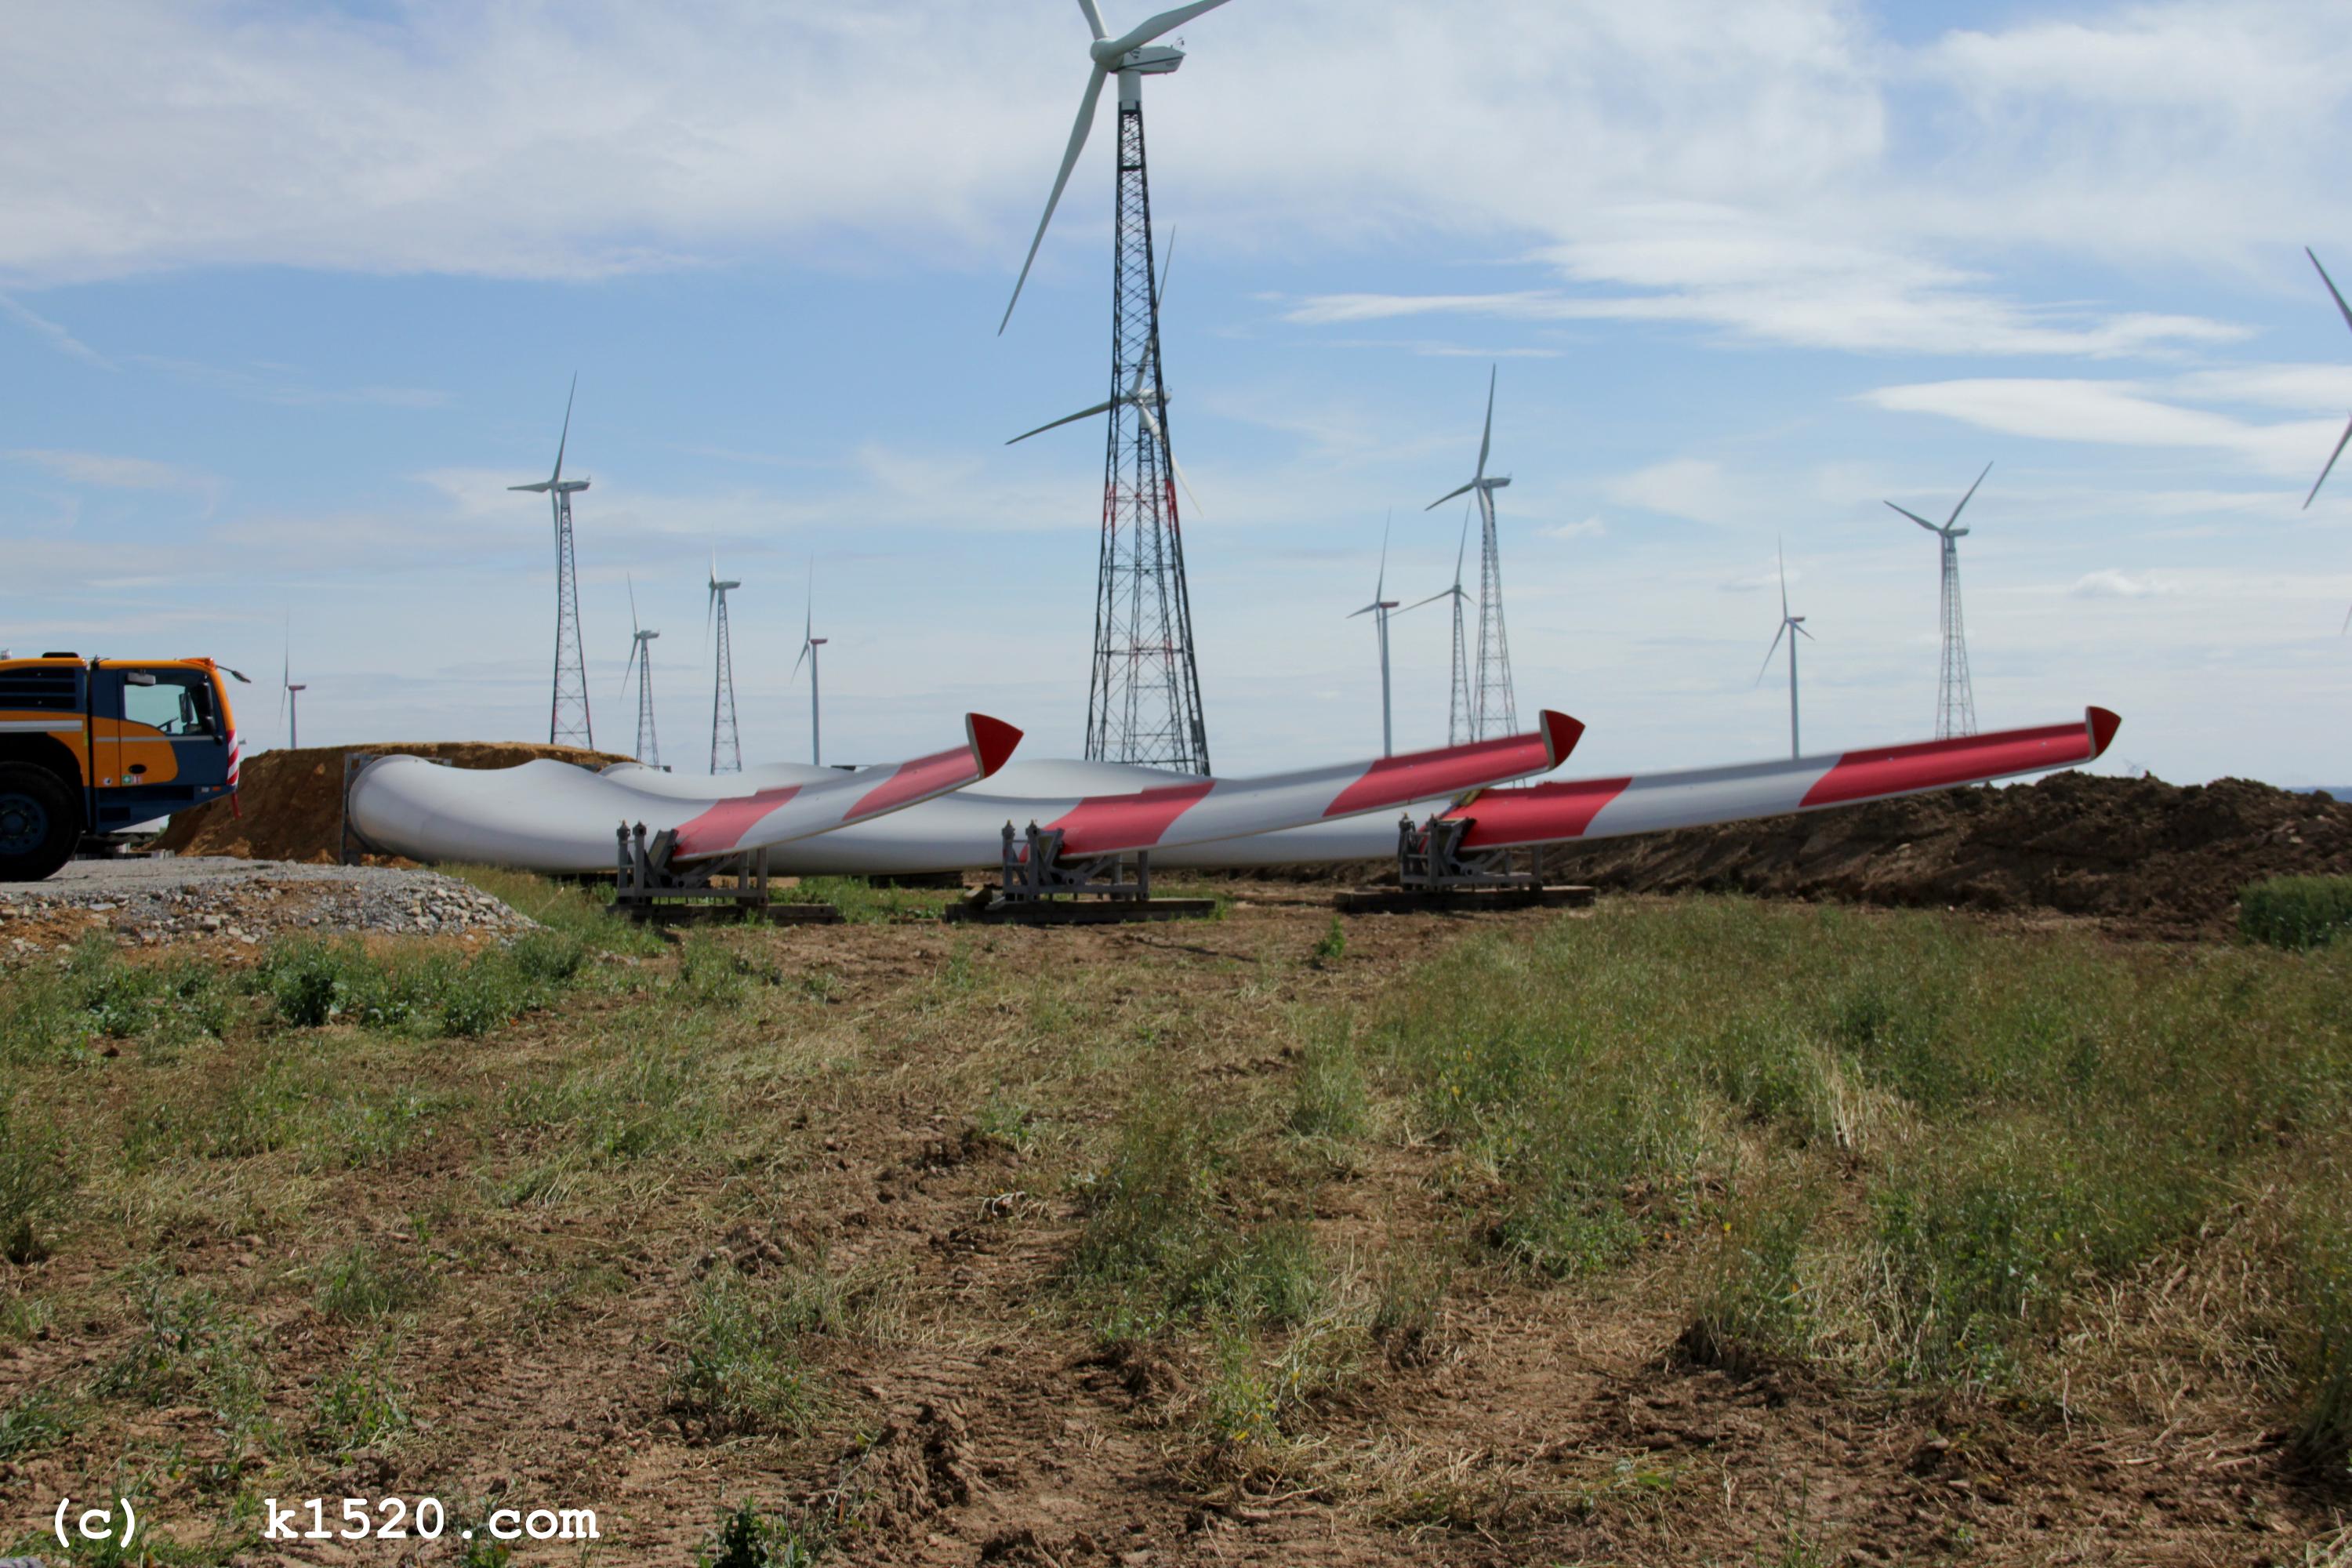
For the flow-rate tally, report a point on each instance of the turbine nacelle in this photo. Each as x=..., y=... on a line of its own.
x=1152, y=60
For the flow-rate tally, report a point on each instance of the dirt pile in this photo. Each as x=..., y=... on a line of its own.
x=2165, y=859
x=289, y=804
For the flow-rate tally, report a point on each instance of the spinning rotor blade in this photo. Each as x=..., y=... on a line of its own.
x=1069, y=161
x=1066, y=419
x=2324, y=278
x=1964, y=499
x=1109, y=49
x=564, y=440
x=1917, y=518
x=2331, y=466
x=1770, y=652
x=1449, y=495
x=1486, y=436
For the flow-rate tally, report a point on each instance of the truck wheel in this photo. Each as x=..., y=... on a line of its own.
x=38, y=823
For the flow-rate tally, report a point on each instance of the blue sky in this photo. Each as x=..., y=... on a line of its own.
x=290, y=295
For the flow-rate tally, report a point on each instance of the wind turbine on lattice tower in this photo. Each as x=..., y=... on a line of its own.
x=568, y=719
x=726, y=744
x=1956, y=703
x=1143, y=700
x=640, y=665
x=1493, y=709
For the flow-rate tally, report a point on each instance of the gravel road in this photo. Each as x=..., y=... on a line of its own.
x=240, y=901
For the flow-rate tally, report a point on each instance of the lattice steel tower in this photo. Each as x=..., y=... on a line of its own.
x=1144, y=700
x=726, y=745
x=568, y=722
x=1956, y=703
x=1493, y=709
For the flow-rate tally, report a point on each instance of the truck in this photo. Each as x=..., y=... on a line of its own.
x=93, y=746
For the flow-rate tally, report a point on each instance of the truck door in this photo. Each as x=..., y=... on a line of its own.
x=163, y=736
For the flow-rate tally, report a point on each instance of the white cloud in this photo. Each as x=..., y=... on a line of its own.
x=108, y=471
x=1589, y=528
x=2110, y=413
x=2111, y=584
x=1694, y=487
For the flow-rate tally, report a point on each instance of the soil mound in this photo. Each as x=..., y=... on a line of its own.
x=2147, y=856
x=2154, y=857
x=289, y=804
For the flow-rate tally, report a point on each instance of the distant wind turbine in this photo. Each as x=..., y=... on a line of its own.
x=2346, y=311
x=288, y=690
x=1492, y=708
x=810, y=643
x=1792, y=627
x=1955, y=701
x=724, y=739
x=1457, y=706
x=1378, y=610
x=640, y=665
x=567, y=715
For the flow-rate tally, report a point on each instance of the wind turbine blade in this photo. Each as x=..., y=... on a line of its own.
x=633, y=627
x=1094, y=18
x=1198, y=511
x=796, y=675
x=1781, y=554
x=1066, y=419
x=1069, y=161
x=1441, y=593
x=1486, y=437
x=2324, y=278
x=1166, y=22
x=1964, y=499
x=808, y=605
x=1161, y=292
x=1459, y=547
x=1804, y=633
x=2347, y=623
x=2330, y=469
x=1367, y=610
x=1770, y=652
x=1449, y=495
x=1917, y=518
x=1380, y=584
x=564, y=440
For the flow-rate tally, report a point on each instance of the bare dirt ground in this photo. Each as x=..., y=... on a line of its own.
x=909, y=1113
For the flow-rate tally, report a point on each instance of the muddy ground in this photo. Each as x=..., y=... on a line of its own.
x=972, y=1417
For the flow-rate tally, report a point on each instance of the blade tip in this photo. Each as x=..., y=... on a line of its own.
x=993, y=740
x=2104, y=723
x=1560, y=735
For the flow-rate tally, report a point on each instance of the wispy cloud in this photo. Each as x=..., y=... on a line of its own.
x=2111, y=584
x=57, y=335
x=2108, y=413
x=1695, y=488
x=110, y=471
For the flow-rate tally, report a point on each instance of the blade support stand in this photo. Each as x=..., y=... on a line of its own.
x=653, y=885
x=1436, y=872
x=1038, y=884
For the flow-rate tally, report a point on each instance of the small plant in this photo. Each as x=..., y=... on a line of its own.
x=362, y=1284
x=747, y=1538
x=2296, y=911
x=1333, y=946
x=34, y=1422
x=742, y=1369
x=361, y=1406
x=2322, y=1430
x=309, y=983
x=1331, y=1101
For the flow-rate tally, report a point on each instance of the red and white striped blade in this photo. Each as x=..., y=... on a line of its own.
x=1614, y=807
x=551, y=817
x=773, y=816
x=1206, y=810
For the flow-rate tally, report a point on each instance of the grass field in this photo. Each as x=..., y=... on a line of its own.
x=1694, y=1231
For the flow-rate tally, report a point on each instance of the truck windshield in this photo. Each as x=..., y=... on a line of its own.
x=179, y=703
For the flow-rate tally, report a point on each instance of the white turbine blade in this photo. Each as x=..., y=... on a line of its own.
x=1770, y=652
x=1804, y=633
x=1380, y=583
x=540, y=489
x=2347, y=623
x=1065, y=419
x=2324, y=278
x=2330, y=469
x=633, y=627
x=1161, y=292
x=1094, y=18
x=1964, y=499
x=1161, y=435
x=1461, y=545
x=1782, y=555
x=1069, y=161
x=1109, y=50
x=1367, y=610
x=1917, y=518
x=1486, y=436
x=796, y=675
x=808, y=607
x=1449, y=495
x=564, y=439
x=1198, y=510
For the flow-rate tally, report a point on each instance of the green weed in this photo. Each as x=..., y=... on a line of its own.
x=2296, y=911
x=741, y=1370
x=35, y=1181
x=362, y=1283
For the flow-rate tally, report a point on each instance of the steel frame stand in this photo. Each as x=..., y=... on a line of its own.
x=1039, y=886
x=652, y=885
x=1434, y=872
